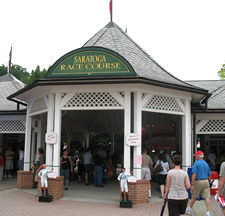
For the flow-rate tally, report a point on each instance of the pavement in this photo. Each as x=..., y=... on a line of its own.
x=83, y=200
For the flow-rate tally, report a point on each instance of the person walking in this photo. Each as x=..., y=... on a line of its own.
x=99, y=164
x=177, y=184
x=146, y=168
x=9, y=155
x=221, y=185
x=200, y=184
x=87, y=165
x=162, y=174
x=66, y=167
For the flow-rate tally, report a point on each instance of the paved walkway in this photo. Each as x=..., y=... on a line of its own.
x=82, y=200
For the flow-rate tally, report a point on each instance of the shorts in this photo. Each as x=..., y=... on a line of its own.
x=145, y=173
x=201, y=187
x=162, y=179
x=88, y=168
x=9, y=164
x=65, y=173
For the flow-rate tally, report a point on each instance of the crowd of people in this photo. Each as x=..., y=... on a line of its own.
x=96, y=167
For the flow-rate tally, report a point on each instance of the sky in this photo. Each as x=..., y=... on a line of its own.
x=186, y=37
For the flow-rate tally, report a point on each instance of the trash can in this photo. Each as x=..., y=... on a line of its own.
x=1, y=168
x=214, y=182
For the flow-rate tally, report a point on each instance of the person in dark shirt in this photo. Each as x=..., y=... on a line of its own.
x=99, y=163
x=66, y=167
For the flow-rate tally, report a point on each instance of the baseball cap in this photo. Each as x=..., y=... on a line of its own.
x=199, y=153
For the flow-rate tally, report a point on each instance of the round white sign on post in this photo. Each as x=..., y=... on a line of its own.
x=50, y=138
x=133, y=139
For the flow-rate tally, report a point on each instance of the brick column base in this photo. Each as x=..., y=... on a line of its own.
x=55, y=187
x=139, y=191
x=25, y=179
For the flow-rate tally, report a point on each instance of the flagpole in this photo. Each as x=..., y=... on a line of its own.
x=9, y=63
x=110, y=9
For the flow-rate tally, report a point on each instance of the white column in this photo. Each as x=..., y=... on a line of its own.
x=32, y=143
x=27, y=141
x=127, y=124
x=186, y=136
x=39, y=133
x=50, y=128
x=137, y=129
x=57, y=129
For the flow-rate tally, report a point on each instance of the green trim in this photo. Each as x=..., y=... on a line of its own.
x=89, y=62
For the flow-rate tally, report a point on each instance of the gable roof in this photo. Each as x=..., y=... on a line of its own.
x=216, y=88
x=9, y=85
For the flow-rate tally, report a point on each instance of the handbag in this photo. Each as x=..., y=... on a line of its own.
x=158, y=168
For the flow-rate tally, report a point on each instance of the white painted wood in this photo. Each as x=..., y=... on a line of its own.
x=57, y=129
x=27, y=142
x=186, y=134
x=50, y=128
x=137, y=129
x=127, y=129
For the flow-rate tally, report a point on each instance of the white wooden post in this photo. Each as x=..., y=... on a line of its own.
x=127, y=126
x=57, y=129
x=27, y=141
x=137, y=129
x=50, y=128
x=186, y=136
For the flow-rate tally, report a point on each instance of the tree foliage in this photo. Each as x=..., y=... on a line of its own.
x=21, y=73
x=221, y=72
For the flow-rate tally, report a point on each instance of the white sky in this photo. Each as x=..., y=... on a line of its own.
x=186, y=37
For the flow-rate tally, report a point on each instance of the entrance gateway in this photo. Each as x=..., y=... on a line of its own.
x=113, y=86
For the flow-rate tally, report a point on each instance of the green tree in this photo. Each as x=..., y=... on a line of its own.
x=221, y=72
x=3, y=70
x=20, y=73
x=37, y=74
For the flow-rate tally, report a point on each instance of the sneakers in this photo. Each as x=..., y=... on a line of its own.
x=207, y=214
x=188, y=211
x=9, y=176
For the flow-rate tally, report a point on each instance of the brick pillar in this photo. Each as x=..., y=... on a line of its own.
x=55, y=187
x=139, y=191
x=25, y=179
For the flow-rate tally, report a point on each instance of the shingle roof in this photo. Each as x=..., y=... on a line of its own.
x=9, y=85
x=114, y=38
x=216, y=88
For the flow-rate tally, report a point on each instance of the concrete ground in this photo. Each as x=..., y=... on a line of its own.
x=83, y=200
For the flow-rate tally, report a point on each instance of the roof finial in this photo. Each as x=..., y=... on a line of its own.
x=110, y=9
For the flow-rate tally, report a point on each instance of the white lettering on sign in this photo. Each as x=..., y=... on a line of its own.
x=133, y=139
x=50, y=138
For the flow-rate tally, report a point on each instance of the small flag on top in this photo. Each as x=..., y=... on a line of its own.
x=10, y=58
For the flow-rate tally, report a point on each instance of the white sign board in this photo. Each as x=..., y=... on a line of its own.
x=132, y=179
x=50, y=138
x=52, y=175
x=133, y=139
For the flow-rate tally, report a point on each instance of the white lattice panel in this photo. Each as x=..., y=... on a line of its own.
x=12, y=126
x=93, y=100
x=210, y=127
x=165, y=104
x=38, y=105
